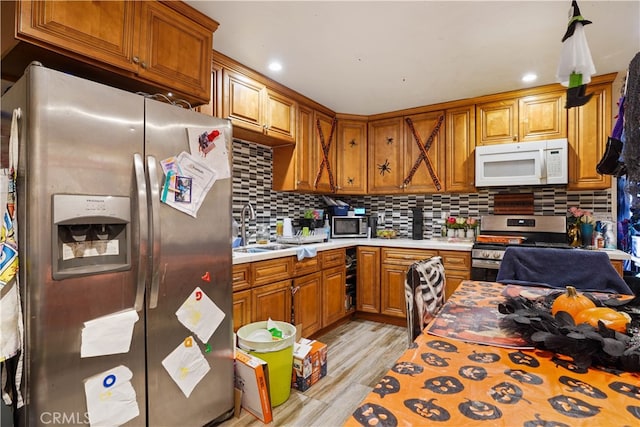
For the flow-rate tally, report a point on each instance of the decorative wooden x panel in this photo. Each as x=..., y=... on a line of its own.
x=424, y=155
x=325, y=154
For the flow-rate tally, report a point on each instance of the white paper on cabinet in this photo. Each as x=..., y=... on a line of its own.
x=110, y=334
x=186, y=365
x=111, y=399
x=200, y=315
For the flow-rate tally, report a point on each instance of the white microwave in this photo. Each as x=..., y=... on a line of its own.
x=522, y=163
x=349, y=226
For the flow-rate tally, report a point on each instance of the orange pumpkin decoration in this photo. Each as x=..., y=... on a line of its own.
x=572, y=302
x=612, y=319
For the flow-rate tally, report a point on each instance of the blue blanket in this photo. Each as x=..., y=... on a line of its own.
x=585, y=270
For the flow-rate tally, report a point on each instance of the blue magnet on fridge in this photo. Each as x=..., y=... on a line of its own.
x=109, y=380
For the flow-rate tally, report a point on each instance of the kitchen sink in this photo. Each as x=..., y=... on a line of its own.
x=263, y=248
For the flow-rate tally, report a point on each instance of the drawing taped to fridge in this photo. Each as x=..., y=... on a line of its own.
x=128, y=286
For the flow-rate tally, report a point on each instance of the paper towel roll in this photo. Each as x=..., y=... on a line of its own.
x=287, y=229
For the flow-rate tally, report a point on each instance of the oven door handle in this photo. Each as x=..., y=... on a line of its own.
x=482, y=263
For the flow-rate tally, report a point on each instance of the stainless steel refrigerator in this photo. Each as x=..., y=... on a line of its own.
x=90, y=170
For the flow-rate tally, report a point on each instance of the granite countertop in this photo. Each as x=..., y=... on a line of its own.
x=447, y=244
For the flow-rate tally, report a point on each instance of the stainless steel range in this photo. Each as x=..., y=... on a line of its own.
x=497, y=232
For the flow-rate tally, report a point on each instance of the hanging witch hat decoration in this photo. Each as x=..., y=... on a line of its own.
x=576, y=66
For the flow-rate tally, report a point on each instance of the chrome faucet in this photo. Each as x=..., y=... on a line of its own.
x=243, y=221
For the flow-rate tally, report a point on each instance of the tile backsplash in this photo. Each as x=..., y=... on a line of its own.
x=252, y=183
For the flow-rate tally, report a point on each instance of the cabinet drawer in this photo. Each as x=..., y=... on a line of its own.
x=263, y=272
x=240, y=277
x=405, y=256
x=305, y=266
x=455, y=260
x=333, y=258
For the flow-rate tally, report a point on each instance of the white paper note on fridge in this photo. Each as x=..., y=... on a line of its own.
x=111, y=399
x=110, y=334
x=186, y=365
x=200, y=315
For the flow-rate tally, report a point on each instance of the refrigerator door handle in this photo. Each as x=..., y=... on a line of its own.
x=154, y=193
x=143, y=243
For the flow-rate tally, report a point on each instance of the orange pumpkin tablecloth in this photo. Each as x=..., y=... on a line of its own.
x=447, y=381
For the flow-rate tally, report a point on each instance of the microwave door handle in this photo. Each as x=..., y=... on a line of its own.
x=542, y=170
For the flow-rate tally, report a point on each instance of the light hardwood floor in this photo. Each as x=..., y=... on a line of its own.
x=359, y=353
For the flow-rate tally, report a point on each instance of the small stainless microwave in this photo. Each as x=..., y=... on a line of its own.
x=349, y=226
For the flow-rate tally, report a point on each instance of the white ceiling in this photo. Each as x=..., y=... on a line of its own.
x=368, y=57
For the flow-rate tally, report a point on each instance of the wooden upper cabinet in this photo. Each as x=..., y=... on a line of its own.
x=542, y=116
x=251, y=105
x=304, y=152
x=497, y=122
x=460, y=143
x=589, y=127
x=527, y=118
x=173, y=51
x=351, y=164
x=214, y=107
x=242, y=100
x=324, y=163
x=394, y=153
x=104, y=31
x=280, y=116
x=295, y=167
x=385, y=160
x=165, y=45
x=424, y=177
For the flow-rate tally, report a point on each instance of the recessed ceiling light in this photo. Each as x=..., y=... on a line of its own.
x=529, y=77
x=275, y=66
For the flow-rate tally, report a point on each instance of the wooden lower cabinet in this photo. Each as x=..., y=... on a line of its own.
x=382, y=273
x=368, y=279
x=457, y=267
x=392, y=301
x=307, y=303
x=241, y=309
x=618, y=266
x=333, y=295
x=393, y=272
x=272, y=301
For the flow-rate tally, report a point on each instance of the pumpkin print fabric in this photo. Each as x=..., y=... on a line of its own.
x=449, y=382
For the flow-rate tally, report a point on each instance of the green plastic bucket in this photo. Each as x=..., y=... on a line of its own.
x=278, y=355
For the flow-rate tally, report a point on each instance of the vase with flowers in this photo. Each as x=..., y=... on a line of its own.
x=472, y=225
x=461, y=227
x=580, y=227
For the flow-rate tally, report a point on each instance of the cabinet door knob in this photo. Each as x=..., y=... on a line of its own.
x=515, y=138
x=136, y=60
x=144, y=65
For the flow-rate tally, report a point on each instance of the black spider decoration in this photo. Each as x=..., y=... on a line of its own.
x=389, y=140
x=353, y=143
x=385, y=167
x=350, y=181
